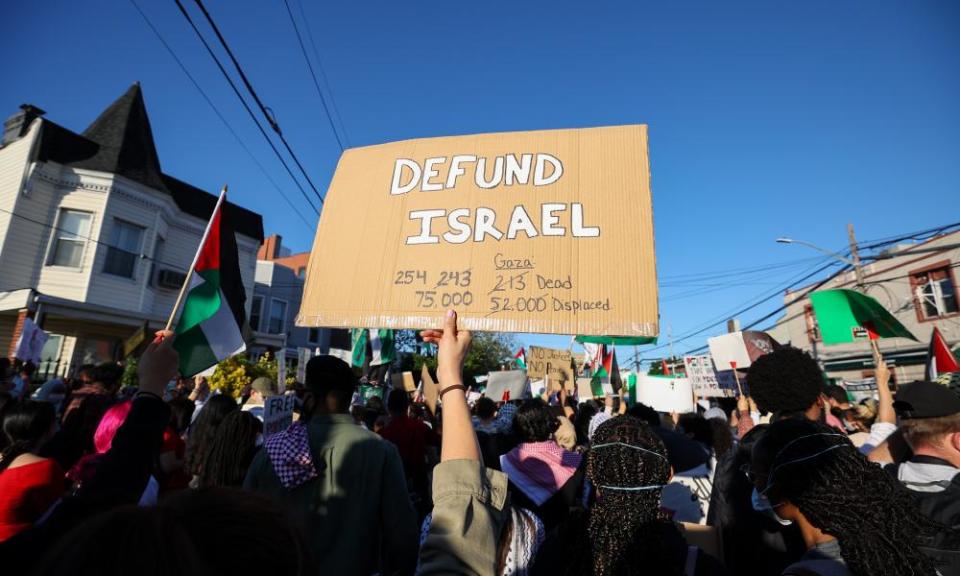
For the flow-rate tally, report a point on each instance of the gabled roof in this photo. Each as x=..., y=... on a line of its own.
x=126, y=141
x=120, y=141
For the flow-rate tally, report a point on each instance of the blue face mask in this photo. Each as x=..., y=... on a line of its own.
x=763, y=505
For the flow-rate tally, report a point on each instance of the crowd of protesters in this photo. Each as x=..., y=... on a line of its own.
x=177, y=479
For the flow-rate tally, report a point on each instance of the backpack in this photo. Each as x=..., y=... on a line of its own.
x=943, y=508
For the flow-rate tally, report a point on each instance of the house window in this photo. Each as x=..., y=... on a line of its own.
x=255, y=311
x=157, y=257
x=935, y=292
x=70, y=237
x=124, y=249
x=302, y=272
x=313, y=336
x=278, y=316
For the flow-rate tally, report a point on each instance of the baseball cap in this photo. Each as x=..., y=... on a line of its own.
x=264, y=386
x=923, y=399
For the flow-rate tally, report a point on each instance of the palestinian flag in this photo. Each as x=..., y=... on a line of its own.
x=940, y=359
x=849, y=316
x=521, y=359
x=606, y=376
x=372, y=347
x=213, y=317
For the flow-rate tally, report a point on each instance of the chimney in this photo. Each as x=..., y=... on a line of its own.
x=17, y=125
x=270, y=250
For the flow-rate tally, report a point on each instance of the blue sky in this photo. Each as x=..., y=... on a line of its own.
x=766, y=118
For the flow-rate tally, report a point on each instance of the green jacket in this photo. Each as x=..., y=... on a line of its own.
x=358, y=511
x=470, y=509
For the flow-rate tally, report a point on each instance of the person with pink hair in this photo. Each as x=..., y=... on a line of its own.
x=85, y=468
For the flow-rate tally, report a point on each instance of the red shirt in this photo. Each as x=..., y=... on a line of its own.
x=26, y=493
x=178, y=479
x=411, y=438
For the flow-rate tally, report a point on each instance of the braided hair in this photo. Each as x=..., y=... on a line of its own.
x=24, y=426
x=231, y=452
x=624, y=531
x=873, y=517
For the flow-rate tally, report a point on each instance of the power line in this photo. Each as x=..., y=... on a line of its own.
x=174, y=267
x=246, y=106
x=323, y=75
x=219, y=115
x=246, y=82
x=313, y=75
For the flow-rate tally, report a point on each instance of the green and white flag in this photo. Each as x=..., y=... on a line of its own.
x=211, y=324
x=382, y=347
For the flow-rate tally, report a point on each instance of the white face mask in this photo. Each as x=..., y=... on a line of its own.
x=762, y=505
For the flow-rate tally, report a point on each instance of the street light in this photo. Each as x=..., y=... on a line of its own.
x=845, y=260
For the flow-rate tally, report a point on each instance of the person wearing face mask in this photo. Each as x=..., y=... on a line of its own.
x=788, y=383
x=855, y=519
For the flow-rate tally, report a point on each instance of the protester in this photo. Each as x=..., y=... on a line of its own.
x=204, y=429
x=260, y=389
x=472, y=530
x=21, y=382
x=344, y=484
x=624, y=532
x=29, y=484
x=411, y=438
x=171, y=465
x=787, y=383
x=111, y=421
x=231, y=451
x=930, y=416
x=485, y=411
x=544, y=478
x=199, y=394
x=854, y=518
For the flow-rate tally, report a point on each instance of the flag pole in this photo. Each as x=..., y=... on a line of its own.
x=203, y=240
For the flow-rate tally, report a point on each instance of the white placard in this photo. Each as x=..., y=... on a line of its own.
x=665, y=394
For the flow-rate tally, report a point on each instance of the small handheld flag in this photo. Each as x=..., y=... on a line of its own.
x=211, y=325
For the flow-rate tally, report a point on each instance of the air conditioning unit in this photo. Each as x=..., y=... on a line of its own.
x=170, y=279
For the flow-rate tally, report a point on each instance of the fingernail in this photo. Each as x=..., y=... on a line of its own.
x=451, y=313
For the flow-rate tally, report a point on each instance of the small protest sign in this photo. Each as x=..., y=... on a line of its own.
x=513, y=382
x=727, y=382
x=429, y=388
x=666, y=394
x=511, y=229
x=543, y=362
x=278, y=414
x=403, y=381
x=30, y=344
x=703, y=377
x=740, y=349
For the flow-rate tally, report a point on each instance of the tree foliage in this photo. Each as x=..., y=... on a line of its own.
x=488, y=352
x=235, y=373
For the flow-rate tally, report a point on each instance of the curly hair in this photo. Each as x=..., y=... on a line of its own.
x=624, y=526
x=875, y=520
x=203, y=430
x=534, y=422
x=785, y=380
x=231, y=452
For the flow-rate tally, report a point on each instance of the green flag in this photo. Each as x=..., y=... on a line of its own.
x=849, y=316
x=622, y=340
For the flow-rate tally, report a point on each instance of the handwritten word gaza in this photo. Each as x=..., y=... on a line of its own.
x=465, y=224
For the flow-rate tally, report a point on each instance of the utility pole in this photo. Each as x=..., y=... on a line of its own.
x=855, y=256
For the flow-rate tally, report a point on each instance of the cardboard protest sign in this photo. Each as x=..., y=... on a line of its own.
x=740, y=349
x=557, y=364
x=703, y=377
x=512, y=381
x=403, y=381
x=666, y=394
x=514, y=230
x=278, y=414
